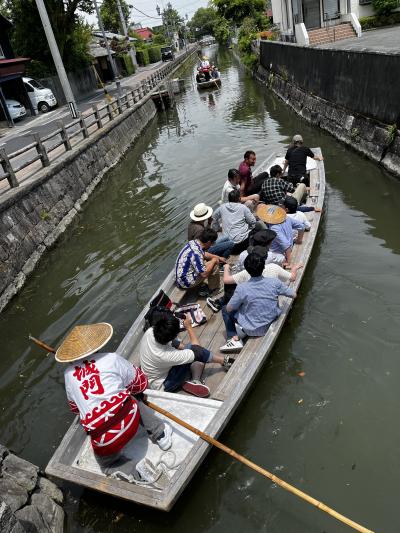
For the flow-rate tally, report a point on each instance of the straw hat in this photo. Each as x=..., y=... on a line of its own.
x=271, y=214
x=82, y=341
x=201, y=212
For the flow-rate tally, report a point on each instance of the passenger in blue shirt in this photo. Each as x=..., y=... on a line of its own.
x=276, y=219
x=253, y=306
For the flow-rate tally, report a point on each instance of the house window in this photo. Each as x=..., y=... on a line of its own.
x=1, y=53
x=364, y=2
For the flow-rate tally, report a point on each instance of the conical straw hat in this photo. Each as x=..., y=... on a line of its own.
x=82, y=341
x=271, y=214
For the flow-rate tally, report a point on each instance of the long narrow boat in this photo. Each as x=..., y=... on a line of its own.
x=211, y=84
x=74, y=461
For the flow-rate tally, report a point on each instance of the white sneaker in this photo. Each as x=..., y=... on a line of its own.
x=232, y=346
x=147, y=471
x=165, y=442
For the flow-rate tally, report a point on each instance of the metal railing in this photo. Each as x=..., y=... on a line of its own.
x=44, y=150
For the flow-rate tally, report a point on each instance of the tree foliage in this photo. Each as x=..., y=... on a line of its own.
x=203, y=21
x=237, y=10
x=110, y=15
x=71, y=32
x=384, y=7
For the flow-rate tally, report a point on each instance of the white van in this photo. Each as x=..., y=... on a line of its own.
x=42, y=99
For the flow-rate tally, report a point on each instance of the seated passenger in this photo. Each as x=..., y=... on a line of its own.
x=200, y=77
x=253, y=306
x=195, y=265
x=215, y=73
x=169, y=365
x=262, y=238
x=257, y=183
x=290, y=204
x=200, y=219
x=236, y=221
x=275, y=189
x=276, y=219
x=232, y=183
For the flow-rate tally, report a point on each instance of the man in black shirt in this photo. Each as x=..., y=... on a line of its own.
x=296, y=160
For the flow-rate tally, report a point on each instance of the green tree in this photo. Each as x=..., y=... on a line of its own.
x=110, y=15
x=203, y=21
x=71, y=32
x=222, y=30
x=384, y=7
x=237, y=10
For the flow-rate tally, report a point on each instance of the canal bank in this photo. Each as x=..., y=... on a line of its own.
x=331, y=431
x=352, y=94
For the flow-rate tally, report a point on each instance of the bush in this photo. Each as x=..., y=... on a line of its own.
x=142, y=57
x=376, y=22
x=128, y=66
x=154, y=54
x=384, y=7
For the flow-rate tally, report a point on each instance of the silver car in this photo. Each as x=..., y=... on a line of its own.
x=15, y=109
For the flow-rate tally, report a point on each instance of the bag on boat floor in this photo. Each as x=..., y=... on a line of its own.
x=196, y=312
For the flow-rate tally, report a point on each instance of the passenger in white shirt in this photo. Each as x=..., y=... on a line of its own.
x=232, y=183
x=169, y=365
x=291, y=205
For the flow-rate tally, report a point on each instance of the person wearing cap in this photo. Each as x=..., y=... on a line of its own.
x=253, y=306
x=233, y=183
x=200, y=219
x=236, y=221
x=275, y=189
x=105, y=390
x=195, y=265
x=276, y=219
x=296, y=160
x=262, y=238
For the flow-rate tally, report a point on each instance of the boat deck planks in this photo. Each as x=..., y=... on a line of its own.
x=227, y=388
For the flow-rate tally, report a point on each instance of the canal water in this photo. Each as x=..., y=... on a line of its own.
x=332, y=432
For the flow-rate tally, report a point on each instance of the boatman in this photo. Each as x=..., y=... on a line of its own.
x=105, y=390
x=296, y=160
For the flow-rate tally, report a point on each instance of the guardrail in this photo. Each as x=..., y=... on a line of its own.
x=43, y=150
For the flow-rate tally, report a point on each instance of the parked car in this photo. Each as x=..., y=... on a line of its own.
x=15, y=109
x=42, y=98
x=167, y=53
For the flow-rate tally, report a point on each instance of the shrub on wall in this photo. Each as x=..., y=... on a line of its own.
x=384, y=7
x=128, y=66
x=142, y=57
x=376, y=22
x=154, y=54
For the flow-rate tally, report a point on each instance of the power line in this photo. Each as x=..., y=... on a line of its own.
x=145, y=14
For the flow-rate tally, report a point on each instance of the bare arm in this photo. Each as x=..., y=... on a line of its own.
x=293, y=271
x=209, y=256
x=228, y=278
x=300, y=235
x=285, y=165
x=209, y=267
x=253, y=197
x=192, y=335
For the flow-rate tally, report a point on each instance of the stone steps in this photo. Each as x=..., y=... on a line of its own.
x=331, y=34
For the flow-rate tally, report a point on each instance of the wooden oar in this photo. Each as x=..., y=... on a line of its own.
x=260, y=470
x=240, y=458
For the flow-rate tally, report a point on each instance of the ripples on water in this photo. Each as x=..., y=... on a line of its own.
x=333, y=431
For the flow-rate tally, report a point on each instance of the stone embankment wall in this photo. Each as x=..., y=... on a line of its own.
x=29, y=502
x=35, y=214
x=353, y=95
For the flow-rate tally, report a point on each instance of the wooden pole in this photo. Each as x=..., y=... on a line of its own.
x=240, y=458
x=260, y=470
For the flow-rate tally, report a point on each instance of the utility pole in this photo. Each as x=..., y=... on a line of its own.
x=125, y=32
x=110, y=57
x=66, y=87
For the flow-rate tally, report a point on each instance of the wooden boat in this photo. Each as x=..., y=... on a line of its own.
x=211, y=84
x=74, y=461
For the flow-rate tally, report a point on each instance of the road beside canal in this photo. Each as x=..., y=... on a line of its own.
x=332, y=432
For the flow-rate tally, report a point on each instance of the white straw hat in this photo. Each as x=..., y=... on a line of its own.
x=201, y=212
x=83, y=341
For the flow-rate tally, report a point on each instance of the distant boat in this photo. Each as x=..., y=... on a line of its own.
x=73, y=460
x=214, y=82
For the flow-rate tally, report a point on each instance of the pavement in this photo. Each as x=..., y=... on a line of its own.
x=384, y=40
x=21, y=134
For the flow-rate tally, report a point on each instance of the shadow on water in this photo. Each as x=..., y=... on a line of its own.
x=331, y=431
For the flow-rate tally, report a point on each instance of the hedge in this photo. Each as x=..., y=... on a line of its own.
x=142, y=57
x=128, y=66
x=376, y=22
x=154, y=54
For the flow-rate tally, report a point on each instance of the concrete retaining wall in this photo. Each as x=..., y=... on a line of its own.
x=36, y=213
x=374, y=138
x=82, y=82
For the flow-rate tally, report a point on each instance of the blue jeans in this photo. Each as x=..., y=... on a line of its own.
x=230, y=321
x=222, y=246
x=180, y=373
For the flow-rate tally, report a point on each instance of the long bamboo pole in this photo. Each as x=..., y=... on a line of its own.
x=241, y=458
x=260, y=470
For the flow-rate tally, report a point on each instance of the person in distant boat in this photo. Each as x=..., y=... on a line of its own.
x=195, y=265
x=200, y=219
x=296, y=160
x=214, y=73
x=253, y=306
x=275, y=189
x=106, y=391
x=200, y=77
x=276, y=219
x=170, y=365
x=232, y=183
x=205, y=62
x=246, y=176
x=236, y=221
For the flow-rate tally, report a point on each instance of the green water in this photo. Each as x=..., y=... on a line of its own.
x=334, y=432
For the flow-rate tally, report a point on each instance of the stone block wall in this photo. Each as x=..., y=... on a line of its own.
x=366, y=135
x=29, y=502
x=35, y=214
